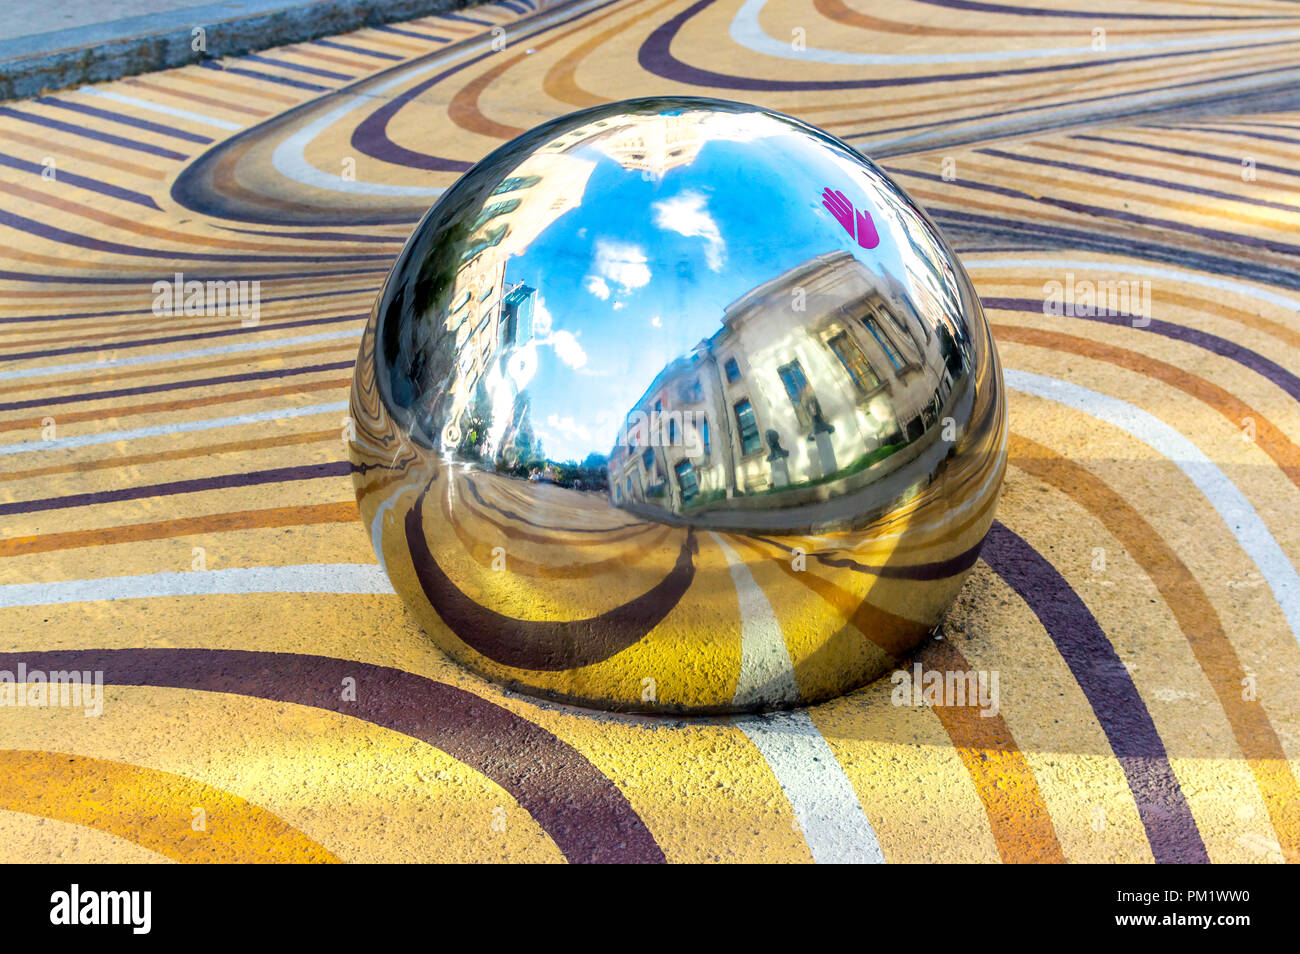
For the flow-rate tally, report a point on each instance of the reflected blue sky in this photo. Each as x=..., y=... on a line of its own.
x=619, y=275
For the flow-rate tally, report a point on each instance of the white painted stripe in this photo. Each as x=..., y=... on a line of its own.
x=1124, y=268
x=289, y=159
x=159, y=108
x=377, y=525
x=180, y=427
x=834, y=825
x=362, y=578
x=766, y=673
x=260, y=345
x=748, y=32
x=1222, y=493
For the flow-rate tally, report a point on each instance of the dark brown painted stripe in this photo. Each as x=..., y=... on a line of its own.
x=1108, y=687
x=192, y=486
x=1018, y=815
x=197, y=98
x=581, y=810
x=1223, y=347
x=87, y=155
x=544, y=645
x=1268, y=436
x=655, y=56
x=172, y=339
x=343, y=346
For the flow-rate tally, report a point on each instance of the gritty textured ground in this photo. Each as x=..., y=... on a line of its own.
x=176, y=511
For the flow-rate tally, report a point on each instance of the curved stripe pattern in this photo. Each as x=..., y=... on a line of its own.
x=1222, y=494
x=582, y=811
x=152, y=809
x=1109, y=689
x=746, y=30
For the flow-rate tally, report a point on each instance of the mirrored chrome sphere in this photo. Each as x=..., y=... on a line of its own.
x=677, y=405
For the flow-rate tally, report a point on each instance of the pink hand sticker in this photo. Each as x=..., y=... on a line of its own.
x=867, y=236
x=839, y=207
x=856, y=222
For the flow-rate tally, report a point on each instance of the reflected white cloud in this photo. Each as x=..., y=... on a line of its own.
x=622, y=263
x=687, y=214
x=567, y=427
x=567, y=349
x=541, y=318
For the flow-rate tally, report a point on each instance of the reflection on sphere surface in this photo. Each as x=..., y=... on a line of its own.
x=677, y=405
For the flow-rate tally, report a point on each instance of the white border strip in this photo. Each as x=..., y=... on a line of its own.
x=834, y=825
x=180, y=427
x=160, y=108
x=178, y=355
x=350, y=578
x=766, y=673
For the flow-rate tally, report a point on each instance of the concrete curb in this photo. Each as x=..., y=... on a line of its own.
x=31, y=65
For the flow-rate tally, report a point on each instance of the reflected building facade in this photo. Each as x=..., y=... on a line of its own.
x=519, y=209
x=654, y=148
x=814, y=381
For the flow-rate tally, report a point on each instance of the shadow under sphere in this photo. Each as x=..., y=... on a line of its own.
x=677, y=405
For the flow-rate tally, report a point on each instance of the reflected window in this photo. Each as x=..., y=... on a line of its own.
x=627, y=487
x=896, y=321
x=511, y=183
x=489, y=239
x=704, y=435
x=686, y=480
x=855, y=362
x=886, y=343
x=796, y=387
x=748, y=426
x=648, y=459
x=732, y=369
x=493, y=210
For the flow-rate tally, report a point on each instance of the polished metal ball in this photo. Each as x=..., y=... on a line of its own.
x=677, y=405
